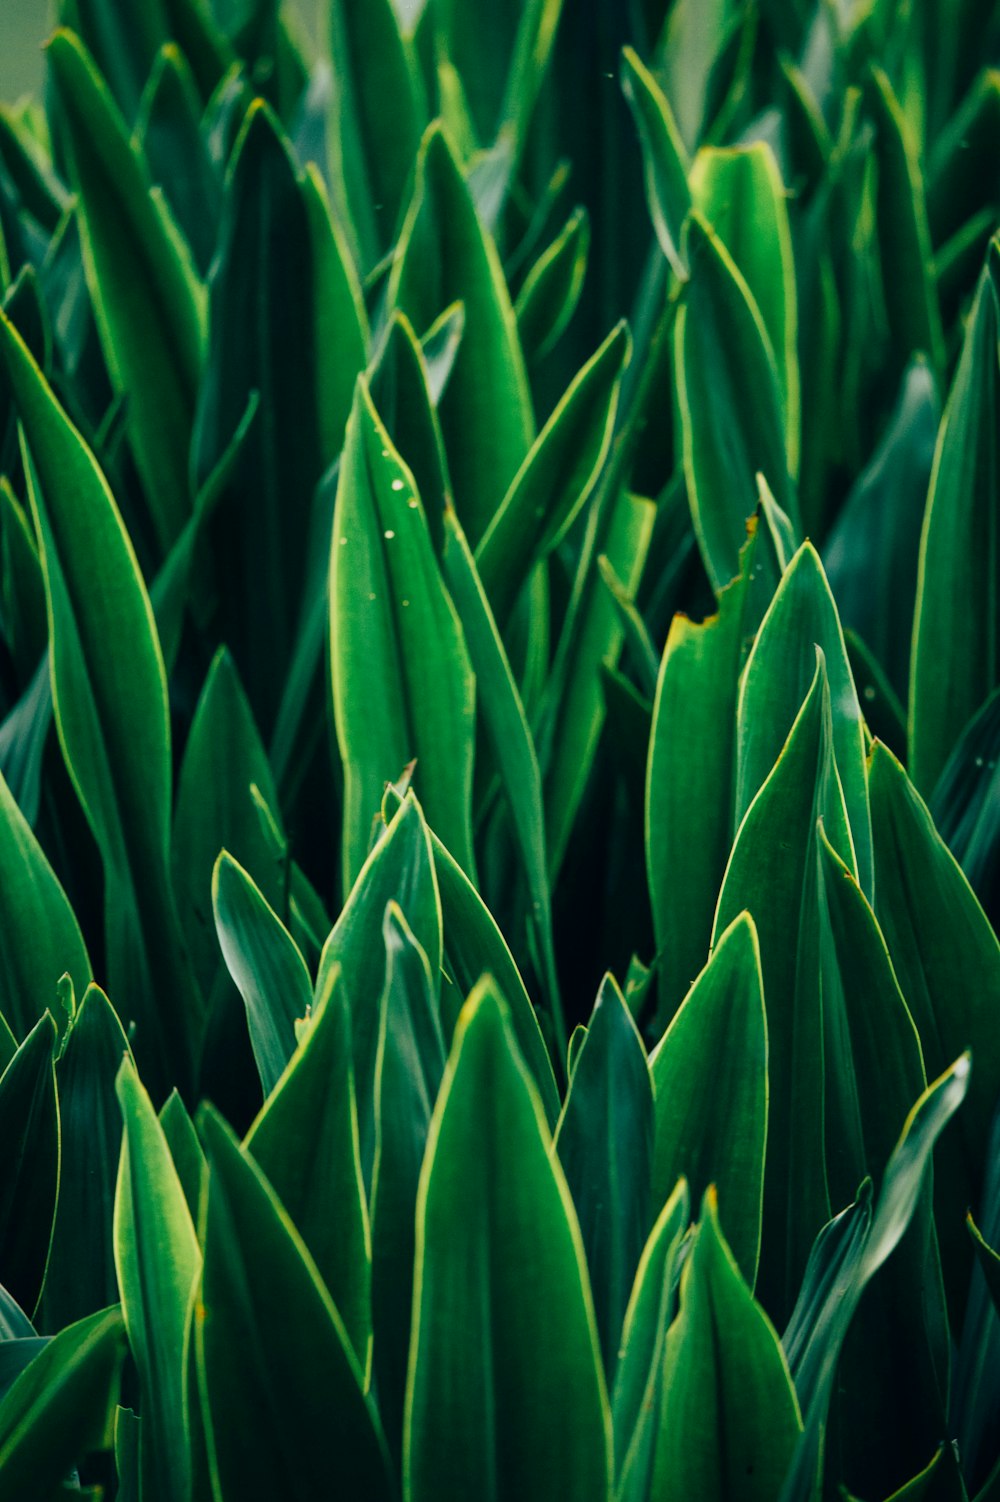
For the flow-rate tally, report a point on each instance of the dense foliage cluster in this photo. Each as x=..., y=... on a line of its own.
x=501, y=508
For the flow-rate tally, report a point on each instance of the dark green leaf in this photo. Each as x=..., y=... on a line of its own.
x=710, y=1077
x=306, y=1142
x=266, y=965
x=29, y=1169
x=604, y=1140
x=279, y=1369
x=499, y=1265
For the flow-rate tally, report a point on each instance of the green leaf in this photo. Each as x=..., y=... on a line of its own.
x=955, y=631
x=475, y=947
x=125, y=47
x=664, y=157
x=495, y=1404
x=42, y=940
x=740, y=193
x=214, y=810
x=772, y=873
x=710, y=1078
x=111, y=714
x=604, y=1140
x=694, y=35
x=870, y=554
x=305, y=1140
x=403, y=686
x=802, y=617
x=729, y=404
x=947, y=960
x=158, y=1262
x=729, y=1418
x=500, y=57
x=25, y=625
x=510, y=739
x=572, y=716
x=60, y=1408
x=551, y=290
x=400, y=868
x=639, y=1375
x=861, y=1253
x=372, y=148
x=265, y=963
x=148, y=303
x=894, y=1365
x=177, y=153
x=279, y=254
x=81, y=1273
x=284, y=1365
x=185, y=1149
x=445, y=256
x=557, y=478
x=904, y=238
x=409, y=1069
x=29, y=1172
x=689, y=780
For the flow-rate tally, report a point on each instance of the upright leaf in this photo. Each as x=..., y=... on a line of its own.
x=729, y=403
x=494, y=1404
x=42, y=939
x=81, y=1275
x=158, y=1262
x=409, y=1068
x=664, y=157
x=690, y=778
x=716, y=1134
x=306, y=1142
x=730, y=1420
x=948, y=962
x=394, y=630
x=111, y=714
x=284, y=1366
x=60, y=1408
x=445, y=255
x=29, y=1171
x=956, y=630
x=605, y=1145
x=802, y=617
x=266, y=965
x=148, y=302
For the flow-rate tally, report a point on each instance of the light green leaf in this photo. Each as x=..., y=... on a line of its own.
x=403, y=686
x=158, y=1262
x=740, y=192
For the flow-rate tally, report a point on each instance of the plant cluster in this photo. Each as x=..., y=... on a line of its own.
x=503, y=511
